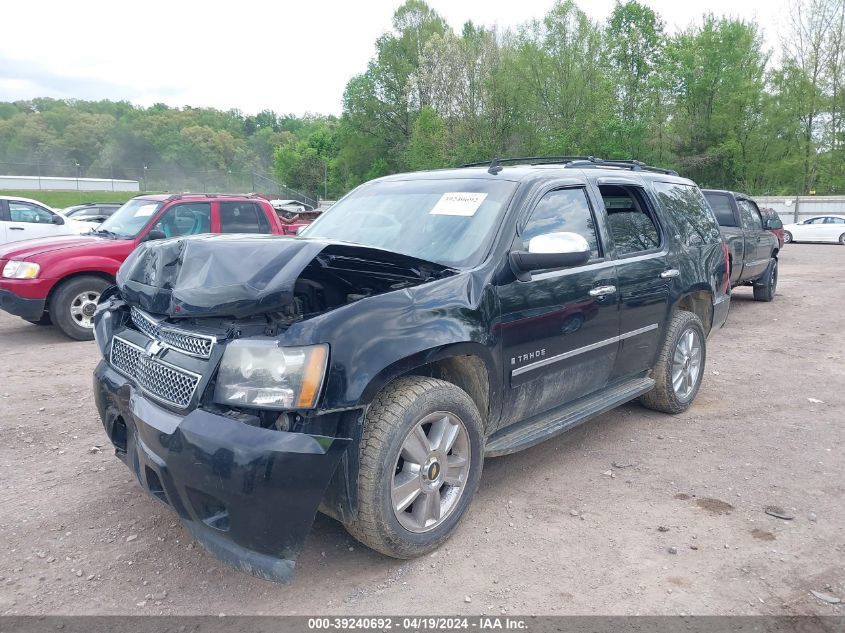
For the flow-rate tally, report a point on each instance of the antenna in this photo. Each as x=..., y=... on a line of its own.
x=495, y=167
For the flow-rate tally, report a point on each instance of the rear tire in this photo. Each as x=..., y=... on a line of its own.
x=680, y=365
x=787, y=237
x=842, y=239
x=391, y=484
x=766, y=286
x=71, y=306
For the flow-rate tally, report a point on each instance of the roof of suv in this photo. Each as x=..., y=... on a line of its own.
x=519, y=173
x=161, y=197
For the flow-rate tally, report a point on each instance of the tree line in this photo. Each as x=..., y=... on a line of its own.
x=710, y=101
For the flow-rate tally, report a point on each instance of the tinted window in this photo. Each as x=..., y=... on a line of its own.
x=25, y=212
x=750, y=216
x=563, y=210
x=630, y=222
x=721, y=205
x=242, y=217
x=185, y=219
x=690, y=213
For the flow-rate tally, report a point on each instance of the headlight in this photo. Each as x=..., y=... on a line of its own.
x=260, y=373
x=20, y=270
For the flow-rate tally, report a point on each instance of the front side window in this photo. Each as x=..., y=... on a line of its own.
x=242, y=217
x=448, y=221
x=814, y=221
x=191, y=218
x=563, y=210
x=630, y=221
x=835, y=221
x=721, y=205
x=750, y=215
x=29, y=213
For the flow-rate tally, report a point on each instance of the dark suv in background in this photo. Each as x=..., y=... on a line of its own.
x=425, y=322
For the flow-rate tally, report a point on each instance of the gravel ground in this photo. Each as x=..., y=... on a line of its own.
x=635, y=512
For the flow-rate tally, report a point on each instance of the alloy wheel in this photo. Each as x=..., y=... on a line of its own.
x=686, y=364
x=431, y=472
x=82, y=308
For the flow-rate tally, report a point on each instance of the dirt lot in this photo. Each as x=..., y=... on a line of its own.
x=635, y=512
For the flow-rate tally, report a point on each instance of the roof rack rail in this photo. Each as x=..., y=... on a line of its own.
x=178, y=196
x=633, y=165
x=576, y=162
x=528, y=159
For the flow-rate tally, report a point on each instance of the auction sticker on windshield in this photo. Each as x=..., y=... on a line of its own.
x=458, y=203
x=145, y=211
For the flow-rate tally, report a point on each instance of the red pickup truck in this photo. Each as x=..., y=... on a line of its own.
x=59, y=280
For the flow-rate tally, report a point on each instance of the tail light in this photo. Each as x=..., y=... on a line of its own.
x=726, y=283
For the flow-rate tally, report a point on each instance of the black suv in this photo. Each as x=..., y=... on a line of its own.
x=425, y=322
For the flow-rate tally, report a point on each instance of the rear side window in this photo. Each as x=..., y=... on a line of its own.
x=690, y=213
x=721, y=205
x=563, y=210
x=242, y=217
x=631, y=223
x=834, y=221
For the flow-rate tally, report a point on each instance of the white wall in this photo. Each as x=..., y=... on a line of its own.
x=808, y=206
x=35, y=183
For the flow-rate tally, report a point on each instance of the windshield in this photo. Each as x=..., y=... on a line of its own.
x=449, y=222
x=129, y=219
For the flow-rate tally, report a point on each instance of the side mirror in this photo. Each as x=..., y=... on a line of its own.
x=57, y=219
x=772, y=223
x=154, y=234
x=550, y=251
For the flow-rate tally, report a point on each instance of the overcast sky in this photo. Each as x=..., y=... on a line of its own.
x=283, y=55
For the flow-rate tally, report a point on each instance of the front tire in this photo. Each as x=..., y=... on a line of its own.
x=680, y=366
x=73, y=303
x=421, y=457
x=842, y=239
x=787, y=237
x=766, y=286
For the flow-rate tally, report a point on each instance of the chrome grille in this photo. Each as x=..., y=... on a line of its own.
x=159, y=379
x=189, y=342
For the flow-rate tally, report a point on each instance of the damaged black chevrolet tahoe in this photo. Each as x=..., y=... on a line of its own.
x=426, y=322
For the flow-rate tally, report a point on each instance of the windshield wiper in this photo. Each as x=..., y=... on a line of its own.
x=105, y=232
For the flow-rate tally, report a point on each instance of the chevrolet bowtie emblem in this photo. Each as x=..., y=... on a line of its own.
x=153, y=349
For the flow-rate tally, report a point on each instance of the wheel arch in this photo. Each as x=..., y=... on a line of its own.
x=75, y=275
x=699, y=301
x=467, y=365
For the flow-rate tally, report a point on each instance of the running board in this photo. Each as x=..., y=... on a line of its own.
x=540, y=428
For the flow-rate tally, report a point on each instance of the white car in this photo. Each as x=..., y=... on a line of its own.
x=822, y=228
x=25, y=219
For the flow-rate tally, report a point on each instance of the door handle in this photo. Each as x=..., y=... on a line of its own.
x=669, y=274
x=16, y=228
x=601, y=291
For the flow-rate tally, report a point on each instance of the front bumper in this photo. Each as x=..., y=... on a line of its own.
x=248, y=494
x=32, y=309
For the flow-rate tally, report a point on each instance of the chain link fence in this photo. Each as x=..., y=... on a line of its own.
x=167, y=180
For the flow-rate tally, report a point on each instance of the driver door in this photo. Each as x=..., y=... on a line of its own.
x=559, y=329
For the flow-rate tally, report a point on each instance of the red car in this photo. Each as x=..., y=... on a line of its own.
x=59, y=280
x=775, y=224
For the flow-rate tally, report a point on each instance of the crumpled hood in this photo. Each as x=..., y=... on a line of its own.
x=245, y=275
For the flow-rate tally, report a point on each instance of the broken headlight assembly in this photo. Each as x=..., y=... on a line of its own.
x=20, y=270
x=261, y=373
